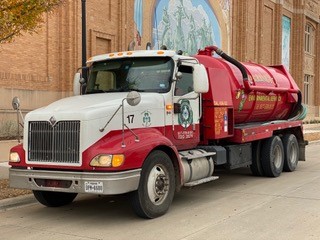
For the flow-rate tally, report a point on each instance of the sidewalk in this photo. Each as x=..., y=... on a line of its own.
x=4, y=156
x=5, y=149
x=311, y=132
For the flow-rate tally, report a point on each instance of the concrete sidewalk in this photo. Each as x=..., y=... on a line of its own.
x=5, y=147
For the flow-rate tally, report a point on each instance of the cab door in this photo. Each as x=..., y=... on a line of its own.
x=186, y=116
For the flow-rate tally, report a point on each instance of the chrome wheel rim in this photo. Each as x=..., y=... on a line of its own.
x=293, y=154
x=277, y=157
x=158, y=184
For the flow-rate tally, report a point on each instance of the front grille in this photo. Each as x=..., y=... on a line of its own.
x=54, y=144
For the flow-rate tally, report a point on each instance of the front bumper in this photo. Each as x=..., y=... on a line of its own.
x=81, y=182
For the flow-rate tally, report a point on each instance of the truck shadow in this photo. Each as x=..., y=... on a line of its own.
x=87, y=207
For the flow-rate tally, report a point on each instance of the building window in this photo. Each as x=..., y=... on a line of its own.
x=309, y=39
x=307, y=89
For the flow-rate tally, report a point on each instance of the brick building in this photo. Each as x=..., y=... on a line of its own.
x=40, y=68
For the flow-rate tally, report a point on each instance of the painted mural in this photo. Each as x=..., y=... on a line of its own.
x=138, y=20
x=186, y=25
x=286, y=33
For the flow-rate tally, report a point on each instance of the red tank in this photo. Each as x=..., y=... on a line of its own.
x=244, y=93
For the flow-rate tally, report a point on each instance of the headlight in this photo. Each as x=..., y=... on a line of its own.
x=105, y=160
x=14, y=157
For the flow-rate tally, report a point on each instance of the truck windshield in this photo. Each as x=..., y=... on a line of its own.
x=147, y=74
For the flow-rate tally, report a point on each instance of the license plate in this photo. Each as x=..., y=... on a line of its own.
x=93, y=187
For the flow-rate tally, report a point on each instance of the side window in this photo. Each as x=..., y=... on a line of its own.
x=185, y=84
x=105, y=81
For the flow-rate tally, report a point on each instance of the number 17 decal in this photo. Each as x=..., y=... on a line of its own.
x=130, y=118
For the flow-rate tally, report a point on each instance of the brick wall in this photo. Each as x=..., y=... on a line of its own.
x=40, y=68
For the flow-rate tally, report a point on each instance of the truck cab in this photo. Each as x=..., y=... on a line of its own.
x=99, y=143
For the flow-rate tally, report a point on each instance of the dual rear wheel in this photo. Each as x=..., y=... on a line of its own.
x=274, y=155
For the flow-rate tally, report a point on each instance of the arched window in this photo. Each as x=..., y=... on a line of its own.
x=309, y=33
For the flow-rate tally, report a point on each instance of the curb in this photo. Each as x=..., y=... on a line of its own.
x=15, y=202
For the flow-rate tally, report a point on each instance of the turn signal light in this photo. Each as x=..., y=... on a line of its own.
x=105, y=160
x=169, y=107
x=117, y=160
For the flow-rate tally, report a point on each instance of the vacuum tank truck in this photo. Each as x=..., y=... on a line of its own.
x=150, y=122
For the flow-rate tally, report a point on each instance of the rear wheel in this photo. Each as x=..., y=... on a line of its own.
x=256, y=167
x=54, y=199
x=291, y=152
x=156, y=188
x=272, y=156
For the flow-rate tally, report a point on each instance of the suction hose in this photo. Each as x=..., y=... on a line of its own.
x=208, y=51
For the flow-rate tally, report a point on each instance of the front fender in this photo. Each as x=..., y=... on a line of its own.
x=135, y=151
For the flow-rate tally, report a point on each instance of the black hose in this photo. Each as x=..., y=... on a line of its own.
x=234, y=62
x=298, y=106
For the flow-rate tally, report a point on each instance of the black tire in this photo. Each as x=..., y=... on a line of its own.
x=256, y=167
x=156, y=188
x=54, y=199
x=291, y=152
x=272, y=156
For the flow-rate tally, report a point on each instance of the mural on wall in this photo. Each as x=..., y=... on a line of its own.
x=225, y=6
x=186, y=25
x=286, y=33
x=138, y=20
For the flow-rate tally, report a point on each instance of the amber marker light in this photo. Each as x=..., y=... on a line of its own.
x=111, y=54
x=107, y=160
x=117, y=160
x=120, y=54
x=129, y=53
x=160, y=52
x=169, y=107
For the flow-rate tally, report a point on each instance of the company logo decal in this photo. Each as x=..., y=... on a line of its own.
x=240, y=94
x=146, y=118
x=52, y=121
x=186, y=115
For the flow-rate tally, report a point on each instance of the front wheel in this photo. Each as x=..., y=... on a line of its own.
x=156, y=188
x=54, y=199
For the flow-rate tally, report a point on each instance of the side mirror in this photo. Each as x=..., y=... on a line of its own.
x=133, y=98
x=76, y=84
x=16, y=107
x=178, y=75
x=16, y=103
x=200, y=79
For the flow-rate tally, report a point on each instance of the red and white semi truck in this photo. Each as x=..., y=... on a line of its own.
x=150, y=122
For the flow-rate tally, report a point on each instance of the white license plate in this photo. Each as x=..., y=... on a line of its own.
x=93, y=187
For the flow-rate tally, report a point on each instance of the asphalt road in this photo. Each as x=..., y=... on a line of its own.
x=237, y=206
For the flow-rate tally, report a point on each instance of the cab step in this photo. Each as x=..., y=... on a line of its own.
x=201, y=181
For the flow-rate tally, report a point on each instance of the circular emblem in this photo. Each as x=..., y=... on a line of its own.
x=186, y=114
x=146, y=119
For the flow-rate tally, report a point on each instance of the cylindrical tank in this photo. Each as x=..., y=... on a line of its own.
x=268, y=93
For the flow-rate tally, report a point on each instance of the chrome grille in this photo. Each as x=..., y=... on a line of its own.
x=54, y=144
